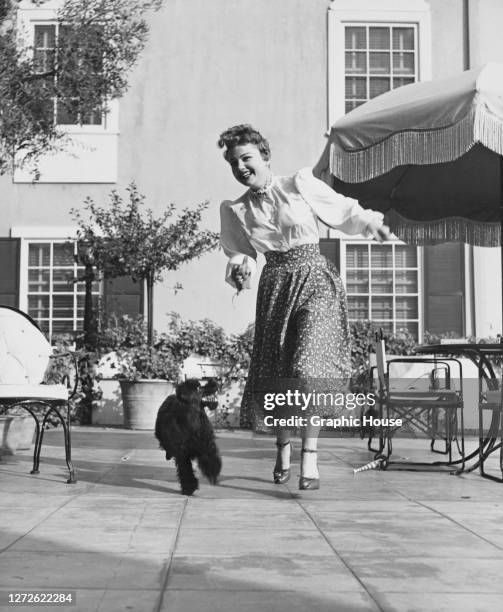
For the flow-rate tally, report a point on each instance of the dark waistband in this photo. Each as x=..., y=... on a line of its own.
x=302, y=253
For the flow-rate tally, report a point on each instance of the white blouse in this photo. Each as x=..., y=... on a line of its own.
x=285, y=216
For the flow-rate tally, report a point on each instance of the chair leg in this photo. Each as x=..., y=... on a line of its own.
x=68, y=448
x=38, y=447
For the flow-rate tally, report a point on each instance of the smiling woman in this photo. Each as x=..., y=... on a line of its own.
x=301, y=328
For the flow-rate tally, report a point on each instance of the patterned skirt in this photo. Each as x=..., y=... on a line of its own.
x=301, y=333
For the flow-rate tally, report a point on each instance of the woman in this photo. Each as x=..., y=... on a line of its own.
x=301, y=330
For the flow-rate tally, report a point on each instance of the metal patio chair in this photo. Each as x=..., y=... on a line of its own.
x=491, y=402
x=428, y=404
x=25, y=354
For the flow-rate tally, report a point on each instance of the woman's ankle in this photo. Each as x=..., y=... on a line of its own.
x=309, y=464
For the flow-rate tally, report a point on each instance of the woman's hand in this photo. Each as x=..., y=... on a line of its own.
x=240, y=274
x=379, y=232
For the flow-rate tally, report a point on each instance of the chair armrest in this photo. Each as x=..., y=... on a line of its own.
x=444, y=363
x=66, y=379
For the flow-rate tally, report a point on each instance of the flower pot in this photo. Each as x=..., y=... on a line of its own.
x=141, y=400
x=16, y=432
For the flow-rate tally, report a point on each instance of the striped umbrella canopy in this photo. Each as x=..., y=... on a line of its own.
x=428, y=155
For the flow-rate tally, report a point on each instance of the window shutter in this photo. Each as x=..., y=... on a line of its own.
x=122, y=296
x=331, y=249
x=444, y=282
x=9, y=271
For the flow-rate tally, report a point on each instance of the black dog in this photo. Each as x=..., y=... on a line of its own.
x=185, y=433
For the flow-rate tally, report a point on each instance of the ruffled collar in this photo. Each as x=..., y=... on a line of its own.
x=264, y=191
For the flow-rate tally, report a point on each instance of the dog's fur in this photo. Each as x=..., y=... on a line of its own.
x=185, y=433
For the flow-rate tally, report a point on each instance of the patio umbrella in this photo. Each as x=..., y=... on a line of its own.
x=428, y=155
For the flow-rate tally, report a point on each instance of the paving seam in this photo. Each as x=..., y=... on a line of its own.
x=446, y=516
x=70, y=500
x=169, y=564
x=343, y=561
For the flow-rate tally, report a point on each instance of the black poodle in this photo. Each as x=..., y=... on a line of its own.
x=185, y=432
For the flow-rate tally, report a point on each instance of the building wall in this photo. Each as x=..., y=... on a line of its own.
x=207, y=66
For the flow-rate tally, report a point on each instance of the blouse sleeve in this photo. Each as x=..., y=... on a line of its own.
x=235, y=242
x=334, y=209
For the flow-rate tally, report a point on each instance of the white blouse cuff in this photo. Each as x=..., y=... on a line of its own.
x=370, y=216
x=238, y=260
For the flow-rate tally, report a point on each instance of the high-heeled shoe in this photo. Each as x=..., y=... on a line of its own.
x=308, y=484
x=280, y=475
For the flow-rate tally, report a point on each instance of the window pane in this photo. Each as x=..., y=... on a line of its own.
x=410, y=327
x=45, y=36
x=38, y=281
x=382, y=308
x=382, y=256
x=63, y=327
x=403, y=63
x=405, y=256
x=62, y=281
x=406, y=308
x=62, y=306
x=378, y=86
x=406, y=281
x=382, y=281
x=94, y=118
x=352, y=104
x=379, y=63
x=379, y=38
x=39, y=255
x=357, y=256
x=67, y=113
x=358, y=307
x=357, y=281
x=356, y=87
x=38, y=306
x=43, y=60
x=403, y=38
x=386, y=327
x=399, y=82
x=63, y=254
x=356, y=62
x=356, y=38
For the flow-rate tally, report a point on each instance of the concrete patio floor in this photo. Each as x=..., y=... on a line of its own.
x=123, y=538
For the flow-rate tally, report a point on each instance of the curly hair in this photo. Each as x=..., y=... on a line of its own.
x=241, y=135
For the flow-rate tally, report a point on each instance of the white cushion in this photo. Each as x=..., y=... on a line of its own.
x=42, y=392
x=24, y=350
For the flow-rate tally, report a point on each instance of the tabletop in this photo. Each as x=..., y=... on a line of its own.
x=462, y=347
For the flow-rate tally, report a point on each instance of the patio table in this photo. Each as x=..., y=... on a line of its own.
x=480, y=355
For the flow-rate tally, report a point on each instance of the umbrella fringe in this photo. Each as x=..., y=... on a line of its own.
x=450, y=229
x=420, y=147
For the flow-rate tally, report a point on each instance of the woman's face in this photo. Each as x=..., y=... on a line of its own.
x=248, y=166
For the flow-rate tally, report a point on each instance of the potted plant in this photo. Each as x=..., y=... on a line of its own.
x=127, y=239
x=147, y=375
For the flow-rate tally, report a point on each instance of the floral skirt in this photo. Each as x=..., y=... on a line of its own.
x=301, y=333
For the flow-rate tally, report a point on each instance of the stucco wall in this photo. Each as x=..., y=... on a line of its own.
x=209, y=65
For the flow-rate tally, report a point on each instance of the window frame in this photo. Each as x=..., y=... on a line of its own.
x=43, y=236
x=30, y=15
x=420, y=283
x=368, y=75
x=67, y=127
x=342, y=13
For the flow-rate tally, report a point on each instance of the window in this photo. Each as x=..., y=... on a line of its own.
x=378, y=58
x=382, y=283
x=374, y=47
x=54, y=299
x=64, y=109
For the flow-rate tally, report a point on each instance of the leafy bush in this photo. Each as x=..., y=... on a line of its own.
x=147, y=362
